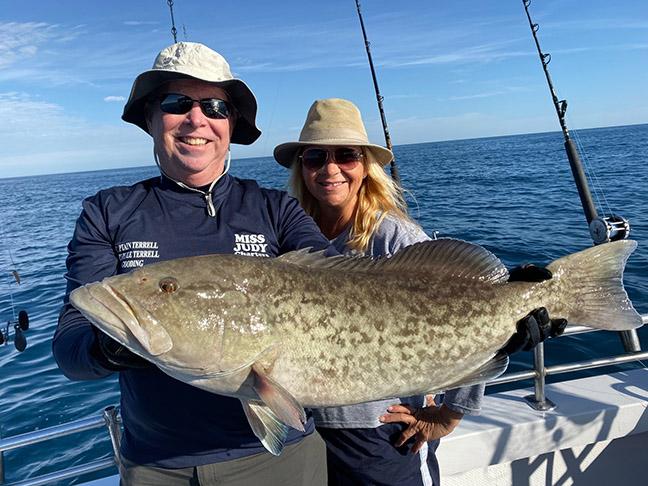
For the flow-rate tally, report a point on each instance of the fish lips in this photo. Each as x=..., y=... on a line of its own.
x=125, y=320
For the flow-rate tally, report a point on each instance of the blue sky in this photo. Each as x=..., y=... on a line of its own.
x=447, y=70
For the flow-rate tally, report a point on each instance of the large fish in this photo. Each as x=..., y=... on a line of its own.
x=302, y=330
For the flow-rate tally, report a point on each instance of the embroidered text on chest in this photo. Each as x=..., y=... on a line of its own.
x=132, y=254
x=250, y=245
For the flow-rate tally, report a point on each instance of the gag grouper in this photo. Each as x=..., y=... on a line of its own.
x=303, y=330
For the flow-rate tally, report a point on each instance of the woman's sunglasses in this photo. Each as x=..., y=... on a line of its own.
x=179, y=104
x=345, y=158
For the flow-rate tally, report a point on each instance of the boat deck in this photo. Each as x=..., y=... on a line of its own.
x=596, y=435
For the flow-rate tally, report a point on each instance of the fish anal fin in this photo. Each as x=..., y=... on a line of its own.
x=266, y=426
x=286, y=408
x=486, y=372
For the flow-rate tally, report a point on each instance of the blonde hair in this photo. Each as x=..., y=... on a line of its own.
x=378, y=196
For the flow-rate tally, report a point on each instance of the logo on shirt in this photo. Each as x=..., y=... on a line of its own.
x=133, y=253
x=250, y=245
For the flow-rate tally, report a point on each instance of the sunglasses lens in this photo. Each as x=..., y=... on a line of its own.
x=314, y=158
x=214, y=108
x=347, y=157
x=176, y=104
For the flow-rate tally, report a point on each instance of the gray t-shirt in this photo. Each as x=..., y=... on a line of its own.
x=392, y=235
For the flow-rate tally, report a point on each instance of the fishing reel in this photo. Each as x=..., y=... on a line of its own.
x=609, y=228
x=20, y=326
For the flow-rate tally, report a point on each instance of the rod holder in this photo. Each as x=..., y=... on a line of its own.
x=538, y=400
x=111, y=417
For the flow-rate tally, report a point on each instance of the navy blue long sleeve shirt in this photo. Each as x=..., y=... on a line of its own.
x=168, y=423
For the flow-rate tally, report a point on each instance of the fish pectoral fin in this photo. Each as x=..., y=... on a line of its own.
x=271, y=431
x=278, y=399
x=486, y=372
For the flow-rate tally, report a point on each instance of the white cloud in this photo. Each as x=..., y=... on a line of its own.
x=23, y=40
x=110, y=99
x=137, y=23
x=60, y=142
x=49, y=55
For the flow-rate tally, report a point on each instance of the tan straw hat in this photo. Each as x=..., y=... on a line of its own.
x=191, y=60
x=332, y=121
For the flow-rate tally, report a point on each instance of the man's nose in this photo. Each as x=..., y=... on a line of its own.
x=195, y=116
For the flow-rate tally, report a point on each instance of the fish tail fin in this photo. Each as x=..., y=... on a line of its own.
x=591, y=285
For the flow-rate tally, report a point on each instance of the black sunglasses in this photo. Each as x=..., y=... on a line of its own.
x=345, y=158
x=179, y=104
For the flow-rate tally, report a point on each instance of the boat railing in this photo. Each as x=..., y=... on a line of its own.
x=539, y=372
x=111, y=420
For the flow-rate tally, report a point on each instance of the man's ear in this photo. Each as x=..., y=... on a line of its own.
x=148, y=117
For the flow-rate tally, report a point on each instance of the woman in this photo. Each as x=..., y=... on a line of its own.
x=338, y=177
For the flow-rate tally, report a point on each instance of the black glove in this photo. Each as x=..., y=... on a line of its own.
x=114, y=356
x=533, y=329
x=529, y=273
x=536, y=326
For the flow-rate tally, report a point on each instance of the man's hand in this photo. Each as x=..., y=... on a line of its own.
x=536, y=326
x=113, y=356
x=424, y=424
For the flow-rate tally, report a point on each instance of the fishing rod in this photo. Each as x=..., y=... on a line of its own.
x=173, y=27
x=392, y=166
x=602, y=229
x=19, y=324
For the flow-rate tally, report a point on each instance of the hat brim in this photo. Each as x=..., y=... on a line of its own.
x=286, y=153
x=245, y=131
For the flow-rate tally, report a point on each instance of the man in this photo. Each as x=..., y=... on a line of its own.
x=175, y=434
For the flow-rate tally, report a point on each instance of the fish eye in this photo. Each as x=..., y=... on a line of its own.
x=168, y=285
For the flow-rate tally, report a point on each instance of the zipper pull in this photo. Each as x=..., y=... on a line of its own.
x=211, y=210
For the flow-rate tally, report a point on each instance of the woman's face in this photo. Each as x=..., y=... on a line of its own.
x=333, y=179
x=191, y=147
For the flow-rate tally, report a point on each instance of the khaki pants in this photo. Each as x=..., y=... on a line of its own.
x=301, y=464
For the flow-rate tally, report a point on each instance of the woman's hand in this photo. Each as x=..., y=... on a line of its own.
x=424, y=424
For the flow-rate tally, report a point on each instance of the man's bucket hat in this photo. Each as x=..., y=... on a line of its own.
x=332, y=121
x=191, y=60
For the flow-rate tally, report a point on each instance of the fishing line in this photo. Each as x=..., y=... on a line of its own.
x=592, y=175
x=13, y=270
x=279, y=85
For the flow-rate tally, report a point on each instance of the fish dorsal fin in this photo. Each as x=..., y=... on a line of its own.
x=447, y=257
x=444, y=257
x=318, y=259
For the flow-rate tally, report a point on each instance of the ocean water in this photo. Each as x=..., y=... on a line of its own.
x=514, y=195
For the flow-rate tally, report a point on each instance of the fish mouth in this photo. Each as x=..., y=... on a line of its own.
x=121, y=318
x=104, y=307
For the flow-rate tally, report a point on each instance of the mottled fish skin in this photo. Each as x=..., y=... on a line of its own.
x=333, y=337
